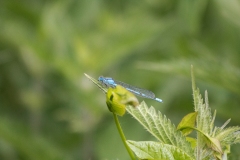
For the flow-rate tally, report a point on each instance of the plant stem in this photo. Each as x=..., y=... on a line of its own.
x=123, y=137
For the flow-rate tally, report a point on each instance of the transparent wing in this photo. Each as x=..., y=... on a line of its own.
x=136, y=90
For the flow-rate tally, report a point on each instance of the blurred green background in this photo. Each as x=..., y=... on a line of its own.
x=49, y=110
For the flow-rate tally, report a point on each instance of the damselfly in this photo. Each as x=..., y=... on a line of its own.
x=110, y=82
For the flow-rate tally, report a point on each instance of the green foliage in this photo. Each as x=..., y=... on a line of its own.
x=211, y=142
x=187, y=123
x=157, y=151
x=173, y=141
x=46, y=46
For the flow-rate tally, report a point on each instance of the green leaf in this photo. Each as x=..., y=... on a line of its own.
x=203, y=120
x=187, y=123
x=192, y=141
x=160, y=127
x=215, y=144
x=103, y=88
x=157, y=151
x=228, y=136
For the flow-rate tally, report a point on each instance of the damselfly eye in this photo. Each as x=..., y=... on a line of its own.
x=101, y=78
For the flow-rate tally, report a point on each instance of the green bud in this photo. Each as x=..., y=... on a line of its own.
x=118, y=98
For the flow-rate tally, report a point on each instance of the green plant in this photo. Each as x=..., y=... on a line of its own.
x=211, y=142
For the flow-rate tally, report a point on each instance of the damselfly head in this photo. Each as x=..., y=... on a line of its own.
x=101, y=79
